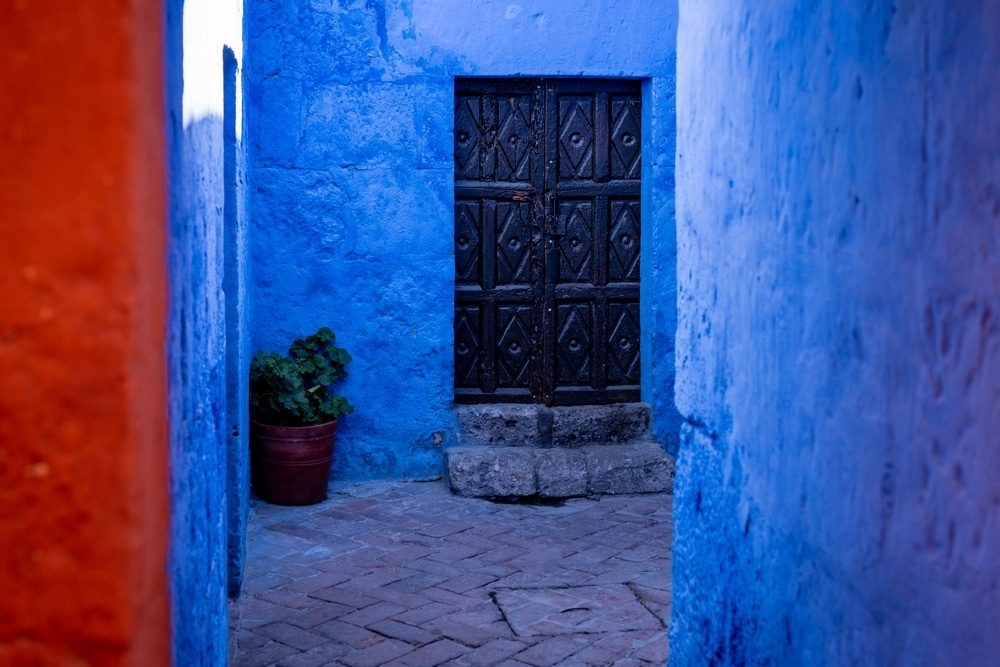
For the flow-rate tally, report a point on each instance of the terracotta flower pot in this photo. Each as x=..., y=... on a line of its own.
x=290, y=465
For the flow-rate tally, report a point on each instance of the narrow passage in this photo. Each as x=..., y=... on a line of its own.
x=404, y=573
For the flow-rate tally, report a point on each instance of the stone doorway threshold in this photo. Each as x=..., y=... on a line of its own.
x=532, y=451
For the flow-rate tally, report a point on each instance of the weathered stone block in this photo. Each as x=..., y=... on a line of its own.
x=507, y=425
x=575, y=610
x=562, y=473
x=577, y=426
x=635, y=468
x=490, y=471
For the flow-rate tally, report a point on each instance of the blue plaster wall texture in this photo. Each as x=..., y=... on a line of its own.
x=350, y=114
x=206, y=215
x=236, y=286
x=838, y=224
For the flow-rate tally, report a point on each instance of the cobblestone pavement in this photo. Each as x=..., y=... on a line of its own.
x=404, y=573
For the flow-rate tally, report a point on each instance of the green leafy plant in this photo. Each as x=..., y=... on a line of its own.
x=295, y=390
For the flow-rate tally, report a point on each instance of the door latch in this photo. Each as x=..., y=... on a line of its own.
x=559, y=229
x=555, y=224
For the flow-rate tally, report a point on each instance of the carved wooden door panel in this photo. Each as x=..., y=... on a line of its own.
x=547, y=230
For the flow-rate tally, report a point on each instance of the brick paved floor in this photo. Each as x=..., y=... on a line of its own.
x=404, y=573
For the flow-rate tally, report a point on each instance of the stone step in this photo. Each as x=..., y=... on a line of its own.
x=540, y=426
x=517, y=451
x=558, y=472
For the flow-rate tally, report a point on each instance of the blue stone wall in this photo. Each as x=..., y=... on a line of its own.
x=838, y=180
x=207, y=336
x=350, y=106
x=236, y=285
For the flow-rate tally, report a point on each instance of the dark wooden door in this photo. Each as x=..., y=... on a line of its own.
x=547, y=230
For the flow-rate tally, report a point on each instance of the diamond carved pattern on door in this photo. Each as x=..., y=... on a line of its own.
x=514, y=346
x=468, y=143
x=576, y=245
x=623, y=343
x=513, y=243
x=468, y=352
x=467, y=226
x=623, y=258
x=626, y=126
x=513, y=141
x=576, y=137
x=573, y=344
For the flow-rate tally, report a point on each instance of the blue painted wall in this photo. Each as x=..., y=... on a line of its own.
x=208, y=333
x=236, y=285
x=838, y=180
x=350, y=106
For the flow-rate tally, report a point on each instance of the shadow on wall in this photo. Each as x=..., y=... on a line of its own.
x=208, y=368
x=208, y=328
x=197, y=371
x=839, y=259
x=235, y=284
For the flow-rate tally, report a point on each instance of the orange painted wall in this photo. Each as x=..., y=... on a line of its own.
x=83, y=430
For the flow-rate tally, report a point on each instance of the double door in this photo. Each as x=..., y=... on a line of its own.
x=547, y=240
